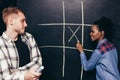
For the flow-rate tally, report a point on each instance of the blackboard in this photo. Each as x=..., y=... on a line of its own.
x=58, y=24
x=4, y=4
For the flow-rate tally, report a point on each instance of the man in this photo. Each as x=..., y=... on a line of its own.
x=105, y=57
x=19, y=54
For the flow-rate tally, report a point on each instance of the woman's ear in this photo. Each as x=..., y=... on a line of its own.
x=102, y=33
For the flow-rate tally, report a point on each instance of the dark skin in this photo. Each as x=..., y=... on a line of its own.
x=95, y=35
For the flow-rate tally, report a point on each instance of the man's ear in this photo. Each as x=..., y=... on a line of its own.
x=10, y=20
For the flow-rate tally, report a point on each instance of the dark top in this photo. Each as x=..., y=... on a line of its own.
x=23, y=52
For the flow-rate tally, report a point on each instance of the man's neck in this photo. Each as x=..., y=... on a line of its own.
x=12, y=35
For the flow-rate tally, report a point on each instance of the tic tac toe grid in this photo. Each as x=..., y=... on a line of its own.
x=79, y=29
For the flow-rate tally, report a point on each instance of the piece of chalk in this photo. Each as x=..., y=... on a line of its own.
x=40, y=69
x=78, y=41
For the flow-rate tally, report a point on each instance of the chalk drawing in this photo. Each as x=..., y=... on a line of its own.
x=69, y=25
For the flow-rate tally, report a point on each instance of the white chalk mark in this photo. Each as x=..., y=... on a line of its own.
x=82, y=22
x=63, y=68
x=67, y=47
x=58, y=24
x=73, y=34
x=82, y=8
x=64, y=25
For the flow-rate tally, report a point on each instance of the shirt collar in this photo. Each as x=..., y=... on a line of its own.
x=101, y=41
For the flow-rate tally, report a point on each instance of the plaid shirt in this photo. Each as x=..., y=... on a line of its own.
x=104, y=59
x=9, y=58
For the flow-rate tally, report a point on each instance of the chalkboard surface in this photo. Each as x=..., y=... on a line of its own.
x=58, y=24
x=4, y=4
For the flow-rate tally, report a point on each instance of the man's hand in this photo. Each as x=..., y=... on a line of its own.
x=32, y=75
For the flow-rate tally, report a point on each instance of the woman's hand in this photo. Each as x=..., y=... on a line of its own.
x=79, y=47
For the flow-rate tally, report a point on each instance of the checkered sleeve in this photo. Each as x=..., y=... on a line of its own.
x=36, y=59
x=6, y=72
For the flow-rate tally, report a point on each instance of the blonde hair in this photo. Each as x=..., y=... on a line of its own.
x=8, y=12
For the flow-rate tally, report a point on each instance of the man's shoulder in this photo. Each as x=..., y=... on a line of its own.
x=1, y=40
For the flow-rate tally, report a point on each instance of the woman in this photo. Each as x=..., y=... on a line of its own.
x=105, y=57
